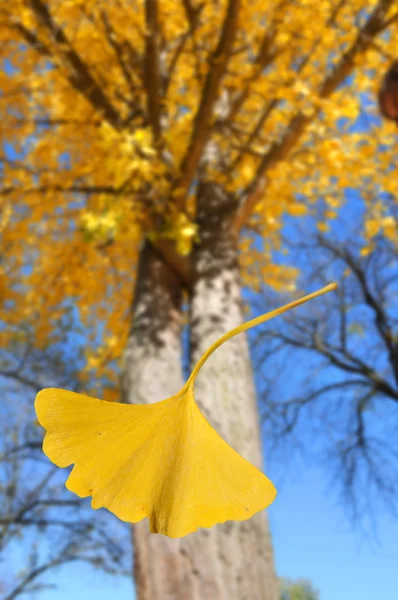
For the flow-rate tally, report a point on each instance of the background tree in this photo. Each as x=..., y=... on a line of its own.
x=298, y=590
x=43, y=511
x=37, y=512
x=137, y=133
x=345, y=389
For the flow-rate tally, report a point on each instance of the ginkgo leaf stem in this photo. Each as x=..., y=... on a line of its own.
x=253, y=323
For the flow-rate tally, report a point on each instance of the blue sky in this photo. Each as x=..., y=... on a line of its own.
x=313, y=538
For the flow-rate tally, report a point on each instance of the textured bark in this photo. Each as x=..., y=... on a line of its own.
x=234, y=560
x=152, y=359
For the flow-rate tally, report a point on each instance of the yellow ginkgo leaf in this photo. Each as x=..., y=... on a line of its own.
x=163, y=461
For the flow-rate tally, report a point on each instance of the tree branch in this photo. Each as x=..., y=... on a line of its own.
x=16, y=376
x=380, y=317
x=203, y=122
x=296, y=404
x=151, y=67
x=35, y=573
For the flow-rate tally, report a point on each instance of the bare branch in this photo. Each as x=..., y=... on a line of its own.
x=36, y=573
x=380, y=317
x=17, y=376
x=291, y=409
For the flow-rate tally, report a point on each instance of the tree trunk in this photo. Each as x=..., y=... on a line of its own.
x=234, y=560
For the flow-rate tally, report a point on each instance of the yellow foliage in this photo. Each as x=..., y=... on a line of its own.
x=366, y=250
x=297, y=210
x=97, y=137
x=372, y=227
x=390, y=228
x=180, y=229
x=323, y=227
